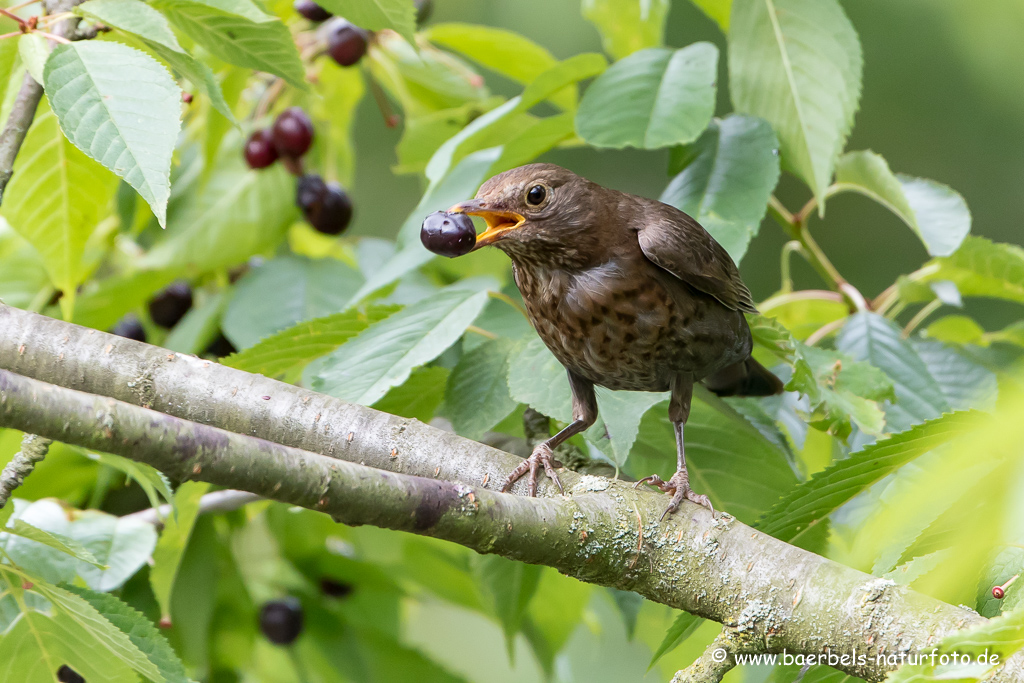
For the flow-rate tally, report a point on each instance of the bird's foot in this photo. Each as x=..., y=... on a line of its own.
x=541, y=457
x=679, y=486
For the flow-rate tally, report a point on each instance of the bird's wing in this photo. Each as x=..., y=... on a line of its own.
x=675, y=242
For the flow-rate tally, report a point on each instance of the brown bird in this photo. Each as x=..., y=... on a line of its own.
x=627, y=293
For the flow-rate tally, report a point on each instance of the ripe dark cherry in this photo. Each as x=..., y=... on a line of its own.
x=292, y=133
x=129, y=327
x=220, y=347
x=346, y=43
x=325, y=206
x=311, y=10
x=259, y=150
x=65, y=674
x=171, y=304
x=423, y=10
x=448, y=234
x=281, y=620
x=335, y=589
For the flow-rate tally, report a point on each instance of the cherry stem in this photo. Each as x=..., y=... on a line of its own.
x=380, y=97
x=796, y=226
x=1010, y=582
x=501, y=296
x=272, y=92
x=22, y=4
x=52, y=37
x=11, y=15
x=15, y=34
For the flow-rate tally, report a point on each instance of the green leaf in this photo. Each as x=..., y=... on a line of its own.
x=340, y=91
x=141, y=20
x=122, y=108
x=812, y=501
x=34, y=51
x=9, y=50
x=40, y=560
x=382, y=356
x=122, y=544
x=239, y=33
x=287, y=352
x=237, y=213
x=285, y=291
x=872, y=338
x=374, y=15
x=505, y=52
x=797, y=64
x=508, y=586
x=426, y=79
x=718, y=10
x=935, y=212
x=535, y=139
x=418, y=397
x=728, y=459
x=536, y=378
x=56, y=197
x=139, y=630
x=956, y=329
x=170, y=548
x=963, y=382
x=58, y=541
x=151, y=480
x=477, y=397
x=22, y=274
x=682, y=628
x=728, y=177
x=621, y=413
x=983, y=268
x=124, y=645
x=627, y=26
x=39, y=644
x=133, y=16
x=651, y=99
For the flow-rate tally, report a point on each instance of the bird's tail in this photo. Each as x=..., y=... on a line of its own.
x=746, y=378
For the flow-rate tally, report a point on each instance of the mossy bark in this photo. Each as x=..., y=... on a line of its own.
x=216, y=424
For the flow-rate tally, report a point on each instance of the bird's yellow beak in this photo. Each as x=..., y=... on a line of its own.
x=498, y=222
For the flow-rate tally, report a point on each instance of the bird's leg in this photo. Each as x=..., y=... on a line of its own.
x=679, y=484
x=584, y=412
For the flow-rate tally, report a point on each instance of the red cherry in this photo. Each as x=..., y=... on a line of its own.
x=346, y=43
x=259, y=150
x=998, y=593
x=292, y=133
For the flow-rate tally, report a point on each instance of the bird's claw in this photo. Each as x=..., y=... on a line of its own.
x=541, y=457
x=679, y=486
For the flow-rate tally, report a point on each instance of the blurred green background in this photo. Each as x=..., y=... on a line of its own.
x=943, y=99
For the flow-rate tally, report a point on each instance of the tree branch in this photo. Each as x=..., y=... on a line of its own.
x=218, y=501
x=778, y=596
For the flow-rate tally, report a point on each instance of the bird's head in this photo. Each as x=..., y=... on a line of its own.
x=536, y=212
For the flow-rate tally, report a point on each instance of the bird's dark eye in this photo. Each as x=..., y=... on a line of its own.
x=536, y=195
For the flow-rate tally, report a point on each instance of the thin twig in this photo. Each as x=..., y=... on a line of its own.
x=501, y=296
x=921, y=316
x=218, y=501
x=33, y=450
